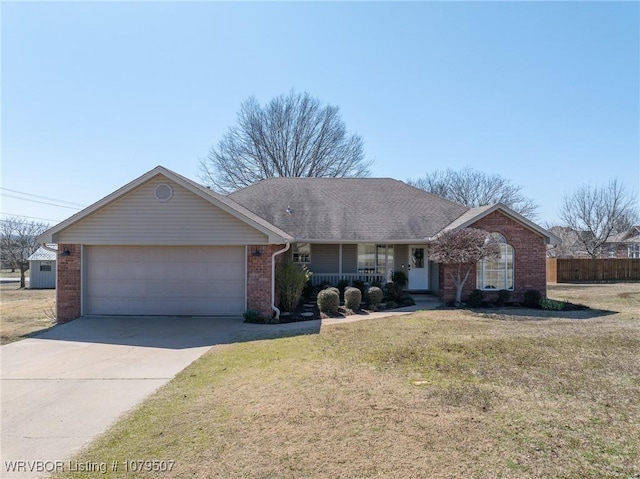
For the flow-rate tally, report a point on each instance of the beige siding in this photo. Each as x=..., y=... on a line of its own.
x=138, y=218
x=400, y=257
x=324, y=258
x=349, y=258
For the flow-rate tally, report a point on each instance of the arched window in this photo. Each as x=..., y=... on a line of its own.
x=497, y=274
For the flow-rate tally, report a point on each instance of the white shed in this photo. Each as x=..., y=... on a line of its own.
x=42, y=269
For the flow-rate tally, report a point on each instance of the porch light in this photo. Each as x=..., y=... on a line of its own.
x=66, y=252
x=257, y=252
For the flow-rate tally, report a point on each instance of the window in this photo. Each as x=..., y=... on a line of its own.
x=634, y=251
x=497, y=274
x=45, y=266
x=376, y=259
x=302, y=253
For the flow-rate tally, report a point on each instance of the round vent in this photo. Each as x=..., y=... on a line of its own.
x=163, y=192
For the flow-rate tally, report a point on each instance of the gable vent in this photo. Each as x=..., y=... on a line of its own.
x=163, y=192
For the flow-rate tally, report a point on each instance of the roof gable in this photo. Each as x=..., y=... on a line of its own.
x=475, y=214
x=238, y=212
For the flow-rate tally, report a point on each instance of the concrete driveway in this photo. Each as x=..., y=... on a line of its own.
x=67, y=385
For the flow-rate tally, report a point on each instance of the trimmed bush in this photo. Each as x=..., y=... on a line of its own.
x=475, y=299
x=374, y=294
x=328, y=301
x=532, y=298
x=400, y=279
x=357, y=283
x=352, y=298
x=503, y=297
x=291, y=279
x=333, y=288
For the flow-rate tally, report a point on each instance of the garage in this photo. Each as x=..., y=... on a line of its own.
x=164, y=280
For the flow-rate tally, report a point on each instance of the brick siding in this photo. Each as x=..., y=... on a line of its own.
x=259, y=278
x=68, y=287
x=529, y=260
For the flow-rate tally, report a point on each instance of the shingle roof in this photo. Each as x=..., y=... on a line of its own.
x=348, y=209
x=42, y=254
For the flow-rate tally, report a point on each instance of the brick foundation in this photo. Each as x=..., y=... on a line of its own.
x=68, y=287
x=259, y=277
x=529, y=260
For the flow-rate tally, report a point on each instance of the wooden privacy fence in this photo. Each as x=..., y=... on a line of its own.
x=567, y=270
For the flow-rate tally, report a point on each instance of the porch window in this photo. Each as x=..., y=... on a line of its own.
x=497, y=274
x=302, y=253
x=634, y=251
x=376, y=259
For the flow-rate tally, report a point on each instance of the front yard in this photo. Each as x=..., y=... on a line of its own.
x=443, y=393
x=24, y=311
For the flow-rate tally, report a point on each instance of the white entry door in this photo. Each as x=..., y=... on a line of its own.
x=418, y=268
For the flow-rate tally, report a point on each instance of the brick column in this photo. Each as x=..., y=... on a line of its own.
x=68, y=287
x=259, y=277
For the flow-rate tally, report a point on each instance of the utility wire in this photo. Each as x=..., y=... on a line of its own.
x=30, y=217
x=73, y=203
x=43, y=202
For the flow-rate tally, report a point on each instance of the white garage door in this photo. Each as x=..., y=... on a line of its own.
x=164, y=280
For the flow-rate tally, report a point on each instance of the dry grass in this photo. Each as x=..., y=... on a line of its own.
x=435, y=394
x=24, y=311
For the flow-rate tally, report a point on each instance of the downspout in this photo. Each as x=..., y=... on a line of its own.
x=273, y=278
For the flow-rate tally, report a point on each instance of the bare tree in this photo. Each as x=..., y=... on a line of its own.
x=18, y=241
x=463, y=249
x=474, y=188
x=570, y=245
x=293, y=135
x=597, y=212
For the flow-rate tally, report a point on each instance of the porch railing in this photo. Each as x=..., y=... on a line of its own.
x=335, y=278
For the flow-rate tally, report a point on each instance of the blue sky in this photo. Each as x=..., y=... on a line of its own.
x=96, y=94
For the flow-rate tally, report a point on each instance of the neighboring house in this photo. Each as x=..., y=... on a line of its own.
x=164, y=245
x=570, y=245
x=42, y=268
x=624, y=245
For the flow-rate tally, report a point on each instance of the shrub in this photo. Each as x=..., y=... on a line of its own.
x=532, y=298
x=374, y=294
x=308, y=290
x=407, y=300
x=475, y=299
x=357, y=283
x=336, y=290
x=392, y=305
x=552, y=305
x=328, y=301
x=396, y=286
x=503, y=296
x=352, y=299
x=342, y=286
x=400, y=279
x=291, y=280
x=251, y=316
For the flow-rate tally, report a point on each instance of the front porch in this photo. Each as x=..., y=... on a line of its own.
x=368, y=263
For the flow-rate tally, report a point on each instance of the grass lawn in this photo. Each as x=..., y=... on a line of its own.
x=444, y=393
x=24, y=311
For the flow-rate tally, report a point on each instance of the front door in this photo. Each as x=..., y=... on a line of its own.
x=418, y=274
